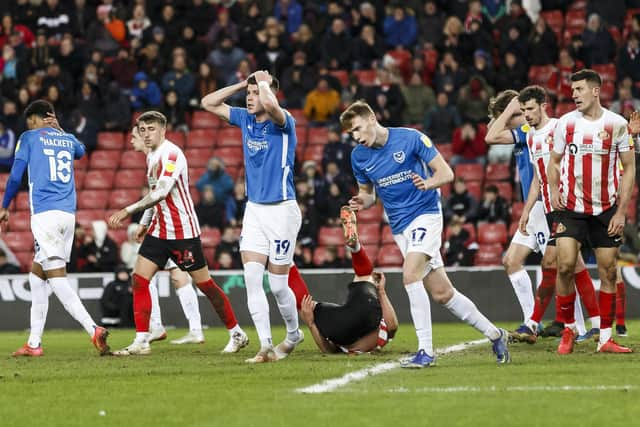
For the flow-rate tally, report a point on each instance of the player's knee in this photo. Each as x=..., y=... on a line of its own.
x=608, y=273
x=253, y=272
x=566, y=269
x=442, y=295
x=510, y=263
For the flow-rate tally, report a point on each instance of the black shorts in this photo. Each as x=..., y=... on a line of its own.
x=360, y=315
x=186, y=253
x=587, y=229
x=550, y=221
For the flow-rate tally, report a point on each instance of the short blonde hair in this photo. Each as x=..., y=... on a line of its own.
x=358, y=109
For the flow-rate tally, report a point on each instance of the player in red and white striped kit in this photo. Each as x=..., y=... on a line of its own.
x=174, y=232
x=532, y=101
x=590, y=199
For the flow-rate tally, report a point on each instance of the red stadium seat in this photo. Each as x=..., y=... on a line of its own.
x=82, y=163
x=607, y=92
x=330, y=236
x=554, y=20
x=488, y=255
x=470, y=172
x=130, y=178
x=110, y=141
x=445, y=190
x=299, y=117
x=372, y=251
x=104, y=160
x=22, y=201
x=341, y=75
x=177, y=138
x=133, y=160
x=318, y=135
x=467, y=226
x=93, y=199
x=389, y=256
x=232, y=156
x=366, y=77
x=202, y=138
x=19, y=241
x=78, y=177
x=101, y=179
x=25, y=258
x=313, y=152
x=445, y=150
x=122, y=197
x=498, y=172
x=475, y=189
x=197, y=157
x=492, y=233
x=564, y=107
x=229, y=137
x=204, y=120
x=4, y=177
x=20, y=221
x=301, y=135
x=195, y=195
x=119, y=236
x=210, y=237
x=516, y=211
x=505, y=189
x=387, y=235
x=575, y=20
x=608, y=72
x=195, y=174
x=210, y=256
x=371, y=215
x=369, y=233
x=85, y=217
x=540, y=74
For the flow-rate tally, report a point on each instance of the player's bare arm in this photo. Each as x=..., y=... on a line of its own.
x=442, y=174
x=160, y=192
x=498, y=131
x=268, y=98
x=617, y=222
x=553, y=175
x=388, y=313
x=364, y=199
x=306, y=312
x=634, y=123
x=534, y=192
x=214, y=102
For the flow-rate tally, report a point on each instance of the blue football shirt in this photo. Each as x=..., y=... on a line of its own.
x=269, y=154
x=523, y=160
x=389, y=169
x=49, y=155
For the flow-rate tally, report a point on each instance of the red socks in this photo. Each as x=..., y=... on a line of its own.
x=544, y=293
x=220, y=302
x=297, y=285
x=361, y=263
x=587, y=293
x=141, y=302
x=607, y=309
x=621, y=303
x=565, y=308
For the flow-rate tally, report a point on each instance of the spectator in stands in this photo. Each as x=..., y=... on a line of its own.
x=419, y=98
x=158, y=37
x=477, y=38
x=116, y=112
x=69, y=57
x=386, y=99
x=230, y=244
x=207, y=81
x=335, y=51
x=222, y=27
x=216, y=177
x=322, y=103
x=474, y=14
x=53, y=17
x=559, y=84
x=116, y=302
x=272, y=28
x=331, y=205
x=129, y=248
x=493, y=207
x=611, y=11
x=40, y=52
x=332, y=259
x=210, y=211
x=449, y=77
x=199, y=15
x=236, y=204
x=460, y=206
x=150, y=61
x=625, y=101
x=441, y=120
x=88, y=101
x=196, y=48
x=11, y=69
x=543, y=45
x=98, y=35
x=366, y=49
x=400, y=27
x=138, y=23
x=459, y=248
x=482, y=66
x=175, y=113
x=512, y=73
x=303, y=256
x=99, y=250
x=297, y=80
x=179, y=78
x=305, y=41
x=226, y=58
x=517, y=16
x=116, y=26
x=599, y=46
x=431, y=21
x=515, y=41
x=629, y=59
x=145, y=93
x=343, y=179
x=273, y=57
x=337, y=150
x=123, y=69
x=7, y=147
x=9, y=28
x=353, y=90
x=224, y=261
x=289, y=12
x=81, y=17
x=452, y=31
x=473, y=100
x=84, y=128
x=11, y=118
x=315, y=182
x=468, y=145
x=170, y=23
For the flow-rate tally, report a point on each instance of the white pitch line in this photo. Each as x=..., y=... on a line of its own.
x=332, y=384
x=493, y=389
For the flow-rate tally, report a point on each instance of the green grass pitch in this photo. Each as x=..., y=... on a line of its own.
x=196, y=386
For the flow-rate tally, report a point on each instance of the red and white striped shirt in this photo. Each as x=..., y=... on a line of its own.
x=540, y=142
x=589, y=173
x=174, y=217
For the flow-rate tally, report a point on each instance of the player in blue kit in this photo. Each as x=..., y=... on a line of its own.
x=272, y=218
x=406, y=170
x=48, y=154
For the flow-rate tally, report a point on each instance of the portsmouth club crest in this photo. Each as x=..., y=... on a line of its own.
x=399, y=156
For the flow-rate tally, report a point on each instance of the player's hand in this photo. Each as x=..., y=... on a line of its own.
x=4, y=216
x=421, y=184
x=115, y=220
x=616, y=225
x=306, y=309
x=379, y=281
x=140, y=233
x=634, y=123
x=262, y=76
x=356, y=203
x=556, y=201
x=522, y=224
x=52, y=121
x=514, y=105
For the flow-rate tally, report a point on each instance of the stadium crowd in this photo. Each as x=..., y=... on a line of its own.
x=433, y=65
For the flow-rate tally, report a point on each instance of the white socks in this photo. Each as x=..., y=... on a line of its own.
x=521, y=283
x=464, y=309
x=189, y=302
x=39, y=308
x=286, y=300
x=257, y=302
x=421, y=315
x=71, y=302
x=155, y=321
x=579, y=317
